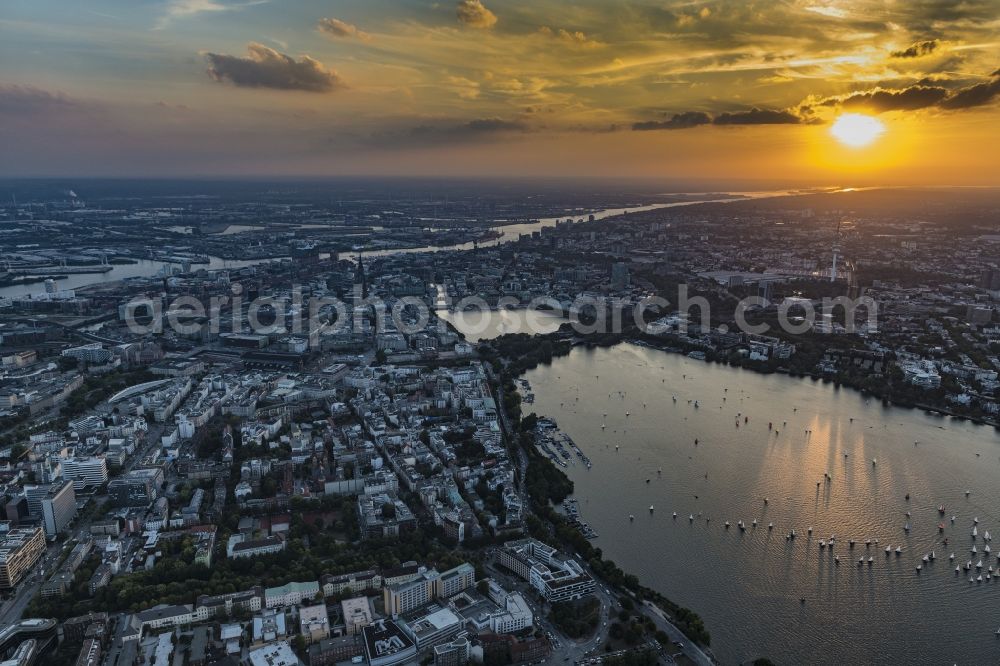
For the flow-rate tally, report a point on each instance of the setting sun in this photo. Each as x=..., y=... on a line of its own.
x=856, y=130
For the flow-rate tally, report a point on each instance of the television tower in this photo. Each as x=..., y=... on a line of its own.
x=836, y=251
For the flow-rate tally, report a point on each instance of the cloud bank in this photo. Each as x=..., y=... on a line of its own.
x=474, y=14
x=334, y=27
x=264, y=67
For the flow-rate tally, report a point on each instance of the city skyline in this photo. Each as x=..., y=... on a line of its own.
x=706, y=91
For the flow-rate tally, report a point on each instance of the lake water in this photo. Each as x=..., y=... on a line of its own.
x=478, y=325
x=748, y=586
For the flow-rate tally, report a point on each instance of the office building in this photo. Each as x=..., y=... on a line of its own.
x=619, y=276
x=434, y=628
x=404, y=597
x=91, y=471
x=91, y=353
x=19, y=551
x=357, y=614
x=455, y=580
x=555, y=577
x=386, y=644
x=290, y=594
x=314, y=623
x=138, y=488
x=58, y=508
x=455, y=653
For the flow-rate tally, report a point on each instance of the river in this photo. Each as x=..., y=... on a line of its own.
x=509, y=233
x=759, y=593
x=142, y=268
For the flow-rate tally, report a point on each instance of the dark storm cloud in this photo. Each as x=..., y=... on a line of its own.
x=757, y=116
x=29, y=100
x=683, y=120
x=264, y=67
x=972, y=96
x=880, y=100
x=929, y=93
x=918, y=49
x=753, y=116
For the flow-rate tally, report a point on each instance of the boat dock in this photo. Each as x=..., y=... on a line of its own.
x=557, y=445
x=572, y=510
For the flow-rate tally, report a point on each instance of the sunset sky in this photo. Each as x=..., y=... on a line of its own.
x=716, y=90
